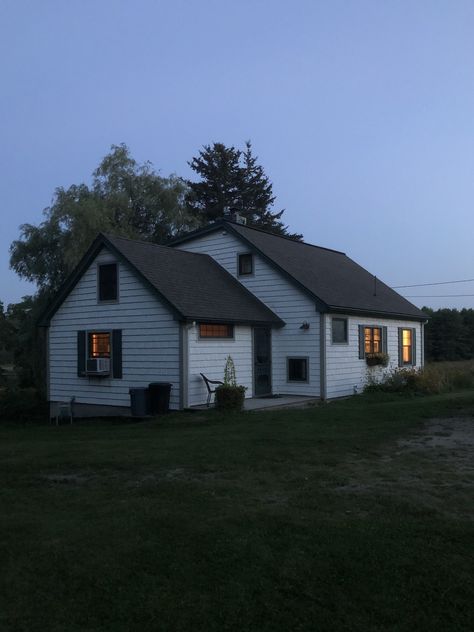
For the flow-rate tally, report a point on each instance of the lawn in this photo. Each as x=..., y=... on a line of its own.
x=356, y=515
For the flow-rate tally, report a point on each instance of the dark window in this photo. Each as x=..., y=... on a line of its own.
x=339, y=330
x=210, y=330
x=108, y=282
x=297, y=369
x=373, y=339
x=99, y=344
x=245, y=264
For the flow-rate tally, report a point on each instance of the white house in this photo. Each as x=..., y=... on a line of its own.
x=296, y=319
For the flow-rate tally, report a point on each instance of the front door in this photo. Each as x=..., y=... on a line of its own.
x=262, y=359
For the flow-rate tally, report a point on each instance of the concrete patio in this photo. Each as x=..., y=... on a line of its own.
x=273, y=402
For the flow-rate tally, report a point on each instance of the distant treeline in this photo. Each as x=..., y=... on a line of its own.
x=449, y=334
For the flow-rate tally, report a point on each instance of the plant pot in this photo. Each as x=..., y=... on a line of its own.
x=230, y=398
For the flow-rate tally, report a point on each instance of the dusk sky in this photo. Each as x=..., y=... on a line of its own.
x=362, y=114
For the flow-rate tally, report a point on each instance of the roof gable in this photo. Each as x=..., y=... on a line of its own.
x=193, y=286
x=334, y=281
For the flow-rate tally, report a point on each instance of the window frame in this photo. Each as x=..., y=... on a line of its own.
x=252, y=271
x=91, y=332
x=288, y=359
x=372, y=328
x=229, y=325
x=117, y=284
x=346, y=330
x=402, y=346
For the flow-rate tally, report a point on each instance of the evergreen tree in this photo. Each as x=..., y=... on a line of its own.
x=232, y=182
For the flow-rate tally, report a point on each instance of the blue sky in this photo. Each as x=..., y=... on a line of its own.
x=362, y=114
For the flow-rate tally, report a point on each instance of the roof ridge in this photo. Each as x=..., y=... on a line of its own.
x=261, y=230
x=151, y=243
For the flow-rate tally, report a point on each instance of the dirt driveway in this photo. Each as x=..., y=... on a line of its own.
x=432, y=468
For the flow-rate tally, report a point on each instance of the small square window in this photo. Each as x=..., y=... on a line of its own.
x=297, y=369
x=339, y=330
x=245, y=264
x=107, y=282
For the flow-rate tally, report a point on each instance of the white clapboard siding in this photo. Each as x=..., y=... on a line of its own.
x=150, y=340
x=280, y=295
x=209, y=356
x=345, y=372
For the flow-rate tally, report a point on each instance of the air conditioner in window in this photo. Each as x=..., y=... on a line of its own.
x=98, y=366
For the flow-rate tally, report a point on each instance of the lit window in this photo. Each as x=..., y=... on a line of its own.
x=99, y=344
x=372, y=339
x=107, y=282
x=297, y=369
x=211, y=330
x=245, y=264
x=339, y=330
x=407, y=346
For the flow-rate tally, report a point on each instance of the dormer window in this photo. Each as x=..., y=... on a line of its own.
x=107, y=282
x=245, y=264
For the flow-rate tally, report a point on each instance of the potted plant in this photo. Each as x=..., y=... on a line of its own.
x=377, y=359
x=230, y=396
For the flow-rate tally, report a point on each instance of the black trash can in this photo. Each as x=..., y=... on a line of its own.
x=159, y=397
x=139, y=401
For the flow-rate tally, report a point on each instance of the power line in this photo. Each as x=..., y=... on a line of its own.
x=397, y=287
x=436, y=295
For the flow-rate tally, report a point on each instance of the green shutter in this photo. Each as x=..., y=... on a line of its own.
x=81, y=353
x=400, y=346
x=413, y=342
x=384, y=340
x=117, y=353
x=361, y=342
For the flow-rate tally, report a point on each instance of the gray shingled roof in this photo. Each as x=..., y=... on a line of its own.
x=331, y=277
x=194, y=284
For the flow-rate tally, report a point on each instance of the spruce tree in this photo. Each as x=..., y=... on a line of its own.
x=233, y=182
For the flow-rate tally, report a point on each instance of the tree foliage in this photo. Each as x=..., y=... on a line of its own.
x=231, y=182
x=449, y=334
x=125, y=198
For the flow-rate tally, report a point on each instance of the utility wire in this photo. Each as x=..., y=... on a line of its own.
x=436, y=295
x=397, y=287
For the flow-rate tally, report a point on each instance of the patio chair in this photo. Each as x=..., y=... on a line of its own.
x=65, y=409
x=210, y=391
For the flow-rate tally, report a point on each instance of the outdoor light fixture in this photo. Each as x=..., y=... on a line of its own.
x=305, y=325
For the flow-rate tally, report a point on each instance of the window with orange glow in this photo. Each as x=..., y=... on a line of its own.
x=211, y=330
x=373, y=339
x=99, y=344
x=407, y=346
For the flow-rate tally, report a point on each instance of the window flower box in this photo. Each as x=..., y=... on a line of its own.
x=377, y=359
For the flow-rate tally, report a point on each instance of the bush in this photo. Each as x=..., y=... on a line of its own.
x=431, y=380
x=229, y=397
x=20, y=404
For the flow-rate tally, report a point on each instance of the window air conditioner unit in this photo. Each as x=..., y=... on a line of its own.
x=98, y=366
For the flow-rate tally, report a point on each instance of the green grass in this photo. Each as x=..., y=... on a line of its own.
x=315, y=519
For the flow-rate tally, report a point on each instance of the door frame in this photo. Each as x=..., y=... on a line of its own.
x=270, y=354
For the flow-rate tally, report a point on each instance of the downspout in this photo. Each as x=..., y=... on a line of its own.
x=423, y=343
x=184, y=364
x=322, y=355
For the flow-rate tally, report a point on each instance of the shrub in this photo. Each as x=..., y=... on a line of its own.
x=230, y=397
x=20, y=404
x=431, y=380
